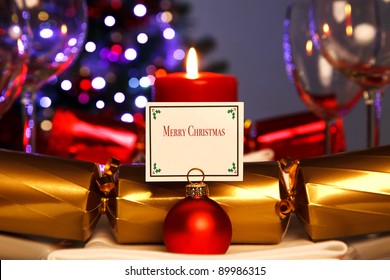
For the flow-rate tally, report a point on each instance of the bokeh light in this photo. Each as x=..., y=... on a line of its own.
x=127, y=118
x=46, y=33
x=98, y=83
x=66, y=85
x=140, y=101
x=100, y=104
x=140, y=10
x=109, y=21
x=90, y=47
x=133, y=82
x=169, y=33
x=179, y=54
x=142, y=38
x=83, y=98
x=130, y=54
x=45, y=102
x=119, y=97
x=144, y=82
x=46, y=125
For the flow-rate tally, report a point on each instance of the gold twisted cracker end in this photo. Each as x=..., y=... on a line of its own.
x=290, y=168
x=108, y=180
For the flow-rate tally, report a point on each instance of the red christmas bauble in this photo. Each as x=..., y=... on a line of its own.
x=197, y=225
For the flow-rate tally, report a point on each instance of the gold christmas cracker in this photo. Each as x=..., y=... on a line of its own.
x=137, y=209
x=334, y=197
x=47, y=196
x=345, y=194
x=60, y=198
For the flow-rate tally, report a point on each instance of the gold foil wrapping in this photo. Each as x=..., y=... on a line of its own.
x=59, y=198
x=47, y=196
x=334, y=197
x=345, y=194
x=137, y=209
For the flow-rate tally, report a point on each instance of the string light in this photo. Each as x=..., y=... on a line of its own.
x=72, y=42
x=119, y=97
x=90, y=47
x=117, y=49
x=179, y=54
x=45, y=102
x=46, y=125
x=43, y=16
x=142, y=38
x=100, y=104
x=169, y=33
x=140, y=10
x=144, y=82
x=104, y=53
x=165, y=17
x=127, y=118
x=152, y=79
x=130, y=54
x=113, y=57
x=61, y=57
x=140, y=101
x=109, y=21
x=66, y=85
x=83, y=98
x=98, y=83
x=15, y=32
x=151, y=69
x=85, y=84
x=46, y=33
x=133, y=82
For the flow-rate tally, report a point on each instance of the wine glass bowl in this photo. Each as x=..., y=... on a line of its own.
x=323, y=90
x=57, y=32
x=13, y=52
x=352, y=43
x=57, y=29
x=354, y=36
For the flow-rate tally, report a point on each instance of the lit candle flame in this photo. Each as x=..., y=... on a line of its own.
x=192, y=64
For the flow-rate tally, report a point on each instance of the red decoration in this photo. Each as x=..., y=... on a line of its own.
x=197, y=225
x=299, y=135
x=84, y=137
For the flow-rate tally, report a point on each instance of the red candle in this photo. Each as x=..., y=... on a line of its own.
x=195, y=87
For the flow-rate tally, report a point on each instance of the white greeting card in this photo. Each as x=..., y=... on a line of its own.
x=181, y=136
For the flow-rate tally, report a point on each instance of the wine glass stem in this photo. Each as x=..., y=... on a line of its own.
x=328, y=137
x=29, y=134
x=373, y=101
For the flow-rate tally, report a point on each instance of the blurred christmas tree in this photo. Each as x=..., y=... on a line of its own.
x=129, y=43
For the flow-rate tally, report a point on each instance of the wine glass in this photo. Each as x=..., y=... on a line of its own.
x=354, y=36
x=322, y=88
x=58, y=29
x=13, y=52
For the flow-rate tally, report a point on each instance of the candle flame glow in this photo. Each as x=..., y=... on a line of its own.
x=309, y=47
x=192, y=64
x=326, y=29
x=349, y=27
